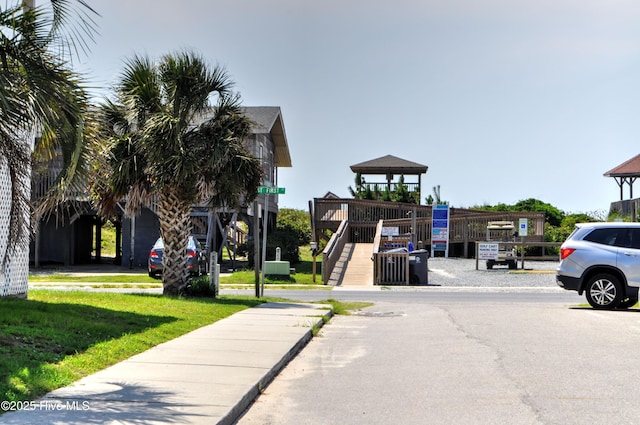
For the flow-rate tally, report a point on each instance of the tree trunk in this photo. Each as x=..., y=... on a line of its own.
x=175, y=228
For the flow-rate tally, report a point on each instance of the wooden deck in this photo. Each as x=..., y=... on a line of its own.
x=465, y=226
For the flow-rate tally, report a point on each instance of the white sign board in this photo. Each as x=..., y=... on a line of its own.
x=488, y=251
x=390, y=231
x=523, y=229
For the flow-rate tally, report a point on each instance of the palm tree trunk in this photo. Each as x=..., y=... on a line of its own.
x=175, y=228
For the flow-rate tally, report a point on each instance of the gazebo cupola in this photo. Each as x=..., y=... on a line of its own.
x=389, y=168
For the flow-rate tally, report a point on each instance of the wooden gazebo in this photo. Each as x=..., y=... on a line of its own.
x=626, y=173
x=390, y=166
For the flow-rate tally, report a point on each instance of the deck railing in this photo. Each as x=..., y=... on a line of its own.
x=332, y=252
x=390, y=268
x=465, y=225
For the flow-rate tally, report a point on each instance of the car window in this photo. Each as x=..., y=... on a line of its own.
x=625, y=238
x=634, y=239
x=606, y=236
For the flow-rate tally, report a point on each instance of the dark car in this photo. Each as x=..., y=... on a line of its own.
x=196, y=258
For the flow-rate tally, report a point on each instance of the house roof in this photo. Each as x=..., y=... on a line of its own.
x=629, y=168
x=389, y=164
x=268, y=119
x=330, y=195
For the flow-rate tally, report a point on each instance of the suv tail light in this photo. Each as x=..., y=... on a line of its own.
x=153, y=254
x=191, y=253
x=565, y=252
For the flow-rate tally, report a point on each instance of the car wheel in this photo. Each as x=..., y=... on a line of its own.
x=513, y=265
x=604, y=291
x=489, y=264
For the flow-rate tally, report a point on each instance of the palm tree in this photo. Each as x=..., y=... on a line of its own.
x=167, y=141
x=39, y=94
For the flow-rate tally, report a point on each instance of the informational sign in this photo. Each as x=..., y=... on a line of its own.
x=440, y=229
x=488, y=251
x=523, y=228
x=390, y=231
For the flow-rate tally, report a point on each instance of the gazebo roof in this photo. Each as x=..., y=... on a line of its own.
x=629, y=168
x=389, y=164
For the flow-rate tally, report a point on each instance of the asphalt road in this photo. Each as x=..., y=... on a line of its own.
x=485, y=355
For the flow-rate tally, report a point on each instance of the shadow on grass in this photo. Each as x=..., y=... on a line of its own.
x=39, y=340
x=35, y=335
x=247, y=301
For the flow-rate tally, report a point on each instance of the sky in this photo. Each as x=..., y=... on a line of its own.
x=503, y=100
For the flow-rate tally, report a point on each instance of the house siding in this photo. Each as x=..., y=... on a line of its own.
x=146, y=232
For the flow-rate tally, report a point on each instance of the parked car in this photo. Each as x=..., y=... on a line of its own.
x=196, y=258
x=602, y=260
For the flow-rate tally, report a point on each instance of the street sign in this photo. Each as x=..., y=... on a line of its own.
x=264, y=190
x=524, y=227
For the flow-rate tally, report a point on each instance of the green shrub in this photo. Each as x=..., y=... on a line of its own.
x=200, y=287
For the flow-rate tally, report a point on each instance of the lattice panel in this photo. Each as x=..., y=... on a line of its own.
x=15, y=276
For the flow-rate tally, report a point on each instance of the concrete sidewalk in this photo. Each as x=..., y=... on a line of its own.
x=208, y=376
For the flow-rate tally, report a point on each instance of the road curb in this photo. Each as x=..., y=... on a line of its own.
x=254, y=392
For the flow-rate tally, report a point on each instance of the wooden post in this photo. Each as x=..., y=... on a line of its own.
x=98, y=224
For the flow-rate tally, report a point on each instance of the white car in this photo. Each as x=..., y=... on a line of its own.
x=602, y=260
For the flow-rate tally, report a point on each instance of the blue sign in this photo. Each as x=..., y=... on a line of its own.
x=440, y=224
x=440, y=229
x=440, y=213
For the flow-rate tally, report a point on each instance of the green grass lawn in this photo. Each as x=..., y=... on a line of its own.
x=97, y=278
x=56, y=337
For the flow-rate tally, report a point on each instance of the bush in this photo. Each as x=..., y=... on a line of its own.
x=295, y=222
x=289, y=246
x=200, y=287
x=293, y=229
x=288, y=243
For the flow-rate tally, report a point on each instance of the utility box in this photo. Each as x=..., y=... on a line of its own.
x=418, y=267
x=277, y=268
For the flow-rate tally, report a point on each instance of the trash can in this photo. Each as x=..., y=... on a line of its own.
x=418, y=267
